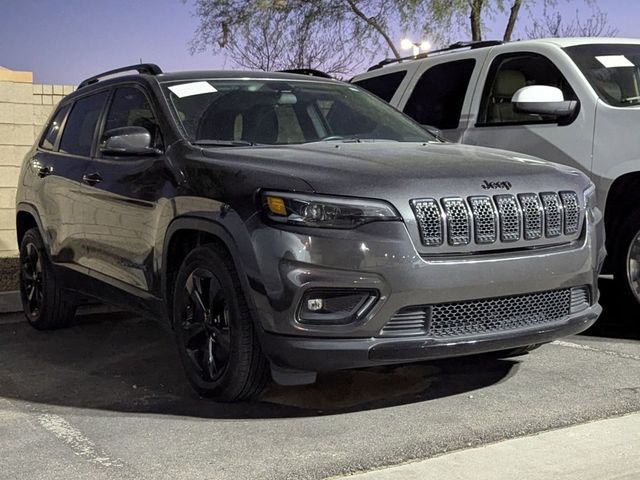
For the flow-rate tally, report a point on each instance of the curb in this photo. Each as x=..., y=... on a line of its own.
x=10, y=302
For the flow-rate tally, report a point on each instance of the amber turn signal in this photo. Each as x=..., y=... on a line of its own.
x=276, y=206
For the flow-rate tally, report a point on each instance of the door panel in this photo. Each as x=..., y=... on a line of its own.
x=121, y=218
x=125, y=195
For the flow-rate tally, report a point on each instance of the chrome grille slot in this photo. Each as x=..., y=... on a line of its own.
x=484, y=219
x=510, y=217
x=552, y=214
x=571, y=209
x=458, y=225
x=531, y=215
x=498, y=314
x=429, y=218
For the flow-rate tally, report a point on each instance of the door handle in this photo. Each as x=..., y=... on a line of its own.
x=44, y=171
x=92, y=178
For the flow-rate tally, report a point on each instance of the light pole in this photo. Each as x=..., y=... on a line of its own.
x=416, y=47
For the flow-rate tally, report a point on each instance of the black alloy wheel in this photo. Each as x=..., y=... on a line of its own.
x=206, y=334
x=45, y=302
x=214, y=329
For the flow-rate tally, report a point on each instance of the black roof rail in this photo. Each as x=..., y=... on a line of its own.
x=148, y=68
x=453, y=46
x=312, y=72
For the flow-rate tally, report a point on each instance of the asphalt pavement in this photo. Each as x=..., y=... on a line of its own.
x=107, y=399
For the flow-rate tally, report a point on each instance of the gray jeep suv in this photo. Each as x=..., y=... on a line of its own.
x=288, y=224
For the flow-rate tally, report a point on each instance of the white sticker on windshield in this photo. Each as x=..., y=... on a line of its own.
x=615, y=61
x=193, y=88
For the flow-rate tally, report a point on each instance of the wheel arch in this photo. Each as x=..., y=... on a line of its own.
x=182, y=236
x=27, y=217
x=623, y=197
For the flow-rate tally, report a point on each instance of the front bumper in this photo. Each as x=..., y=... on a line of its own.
x=327, y=354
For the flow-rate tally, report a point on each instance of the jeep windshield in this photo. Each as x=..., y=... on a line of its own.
x=245, y=112
x=613, y=70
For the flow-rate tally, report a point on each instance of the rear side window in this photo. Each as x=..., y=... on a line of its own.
x=384, y=86
x=438, y=96
x=53, y=129
x=130, y=108
x=81, y=125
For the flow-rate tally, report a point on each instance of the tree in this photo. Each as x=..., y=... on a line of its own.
x=438, y=19
x=332, y=35
x=551, y=24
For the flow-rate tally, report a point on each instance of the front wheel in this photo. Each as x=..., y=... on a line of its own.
x=214, y=330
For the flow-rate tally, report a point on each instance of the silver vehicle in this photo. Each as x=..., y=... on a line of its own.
x=574, y=101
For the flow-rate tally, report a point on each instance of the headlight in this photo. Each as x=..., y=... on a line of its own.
x=325, y=211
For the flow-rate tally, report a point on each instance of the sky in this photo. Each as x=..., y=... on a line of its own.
x=65, y=41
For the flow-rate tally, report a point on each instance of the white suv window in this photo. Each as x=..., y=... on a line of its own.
x=508, y=74
x=439, y=94
x=383, y=86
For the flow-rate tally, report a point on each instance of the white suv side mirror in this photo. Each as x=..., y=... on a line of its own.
x=543, y=100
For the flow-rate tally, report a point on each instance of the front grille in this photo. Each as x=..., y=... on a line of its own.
x=490, y=315
x=505, y=218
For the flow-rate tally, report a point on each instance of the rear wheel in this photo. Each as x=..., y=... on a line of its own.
x=626, y=263
x=46, y=305
x=214, y=330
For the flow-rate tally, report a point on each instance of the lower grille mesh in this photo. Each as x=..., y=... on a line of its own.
x=498, y=314
x=476, y=317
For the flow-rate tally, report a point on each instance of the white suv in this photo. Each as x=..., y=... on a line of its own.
x=574, y=101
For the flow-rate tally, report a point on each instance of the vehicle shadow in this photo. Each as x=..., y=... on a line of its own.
x=115, y=362
x=617, y=320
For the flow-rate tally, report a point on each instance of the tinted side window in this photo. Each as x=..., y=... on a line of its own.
x=130, y=108
x=439, y=94
x=81, y=125
x=53, y=129
x=384, y=86
x=508, y=74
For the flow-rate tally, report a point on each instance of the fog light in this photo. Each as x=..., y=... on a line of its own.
x=335, y=306
x=315, y=304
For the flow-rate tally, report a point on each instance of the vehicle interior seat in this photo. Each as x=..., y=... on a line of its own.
x=507, y=83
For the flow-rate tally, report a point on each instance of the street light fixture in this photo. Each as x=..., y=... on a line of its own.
x=416, y=47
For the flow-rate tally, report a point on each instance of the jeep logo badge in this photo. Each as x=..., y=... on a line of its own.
x=487, y=185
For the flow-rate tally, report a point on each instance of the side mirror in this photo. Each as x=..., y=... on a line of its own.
x=128, y=141
x=543, y=100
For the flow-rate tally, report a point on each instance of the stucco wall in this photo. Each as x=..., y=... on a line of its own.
x=24, y=109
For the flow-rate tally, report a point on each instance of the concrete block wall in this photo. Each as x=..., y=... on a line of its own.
x=24, y=110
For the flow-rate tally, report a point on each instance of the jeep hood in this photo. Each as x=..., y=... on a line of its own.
x=399, y=172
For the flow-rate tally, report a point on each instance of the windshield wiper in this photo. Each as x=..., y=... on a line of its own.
x=224, y=143
x=630, y=99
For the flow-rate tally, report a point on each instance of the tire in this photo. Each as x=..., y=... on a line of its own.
x=626, y=264
x=214, y=330
x=46, y=305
